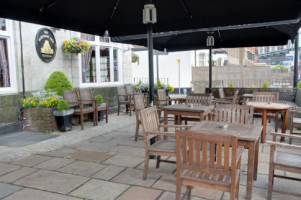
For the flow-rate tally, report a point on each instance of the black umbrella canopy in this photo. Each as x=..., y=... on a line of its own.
x=263, y=34
x=121, y=17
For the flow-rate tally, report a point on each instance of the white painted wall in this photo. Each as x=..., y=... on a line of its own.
x=168, y=67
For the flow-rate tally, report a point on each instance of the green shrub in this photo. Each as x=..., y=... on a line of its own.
x=299, y=84
x=99, y=99
x=265, y=85
x=62, y=105
x=58, y=82
x=230, y=85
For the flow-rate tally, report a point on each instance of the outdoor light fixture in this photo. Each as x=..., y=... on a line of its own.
x=210, y=41
x=149, y=14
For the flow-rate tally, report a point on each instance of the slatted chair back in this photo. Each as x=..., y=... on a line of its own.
x=149, y=121
x=199, y=99
x=208, y=161
x=237, y=114
x=121, y=91
x=86, y=95
x=130, y=89
x=162, y=98
x=139, y=102
x=235, y=97
x=71, y=96
x=221, y=93
x=265, y=96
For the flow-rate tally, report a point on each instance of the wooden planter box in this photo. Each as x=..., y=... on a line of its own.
x=39, y=119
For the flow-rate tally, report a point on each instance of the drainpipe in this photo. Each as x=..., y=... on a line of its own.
x=296, y=60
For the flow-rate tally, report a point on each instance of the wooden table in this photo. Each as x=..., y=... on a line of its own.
x=183, y=109
x=248, y=137
x=264, y=108
x=246, y=97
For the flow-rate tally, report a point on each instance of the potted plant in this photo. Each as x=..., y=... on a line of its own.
x=101, y=114
x=58, y=82
x=75, y=45
x=135, y=58
x=63, y=116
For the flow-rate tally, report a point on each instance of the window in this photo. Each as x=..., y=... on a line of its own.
x=7, y=67
x=101, y=64
x=201, y=59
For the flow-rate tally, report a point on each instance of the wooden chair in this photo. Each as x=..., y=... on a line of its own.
x=81, y=107
x=267, y=97
x=230, y=113
x=163, y=99
x=124, y=98
x=222, y=96
x=207, y=161
x=197, y=99
x=130, y=90
x=139, y=104
x=164, y=145
x=283, y=160
x=87, y=96
x=295, y=120
x=233, y=100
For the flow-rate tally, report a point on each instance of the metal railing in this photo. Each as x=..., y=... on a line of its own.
x=146, y=80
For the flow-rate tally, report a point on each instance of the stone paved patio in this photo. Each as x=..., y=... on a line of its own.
x=105, y=163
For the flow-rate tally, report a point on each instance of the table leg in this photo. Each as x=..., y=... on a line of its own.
x=284, y=123
x=264, y=124
x=251, y=154
x=165, y=120
x=256, y=160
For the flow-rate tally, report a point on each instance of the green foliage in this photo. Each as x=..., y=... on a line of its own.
x=99, y=99
x=62, y=105
x=230, y=85
x=265, y=85
x=170, y=88
x=278, y=67
x=135, y=58
x=76, y=46
x=41, y=99
x=58, y=82
x=299, y=84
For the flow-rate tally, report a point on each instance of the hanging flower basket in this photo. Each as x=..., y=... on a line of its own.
x=135, y=58
x=76, y=46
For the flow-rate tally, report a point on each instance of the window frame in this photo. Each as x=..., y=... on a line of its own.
x=8, y=35
x=97, y=44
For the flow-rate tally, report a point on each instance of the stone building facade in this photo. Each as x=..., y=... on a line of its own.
x=108, y=65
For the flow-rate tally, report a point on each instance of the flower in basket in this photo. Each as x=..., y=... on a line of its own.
x=170, y=88
x=43, y=99
x=137, y=87
x=76, y=46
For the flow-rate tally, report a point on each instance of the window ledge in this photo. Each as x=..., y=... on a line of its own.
x=97, y=85
x=4, y=91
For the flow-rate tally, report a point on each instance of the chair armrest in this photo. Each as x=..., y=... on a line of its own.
x=161, y=133
x=240, y=149
x=296, y=137
x=288, y=146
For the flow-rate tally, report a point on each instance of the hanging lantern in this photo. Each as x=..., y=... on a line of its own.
x=149, y=14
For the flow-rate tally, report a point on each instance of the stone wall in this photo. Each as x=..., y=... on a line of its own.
x=39, y=119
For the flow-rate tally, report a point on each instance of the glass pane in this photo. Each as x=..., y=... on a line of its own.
x=2, y=24
x=85, y=36
x=89, y=66
x=4, y=64
x=104, y=64
x=116, y=64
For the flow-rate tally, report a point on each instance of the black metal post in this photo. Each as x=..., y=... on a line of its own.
x=22, y=61
x=157, y=59
x=296, y=60
x=210, y=69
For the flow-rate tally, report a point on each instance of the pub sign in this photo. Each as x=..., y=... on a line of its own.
x=45, y=45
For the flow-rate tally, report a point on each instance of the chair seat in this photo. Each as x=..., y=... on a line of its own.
x=85, y=110
x=168, y=146
x=99, y=108
x=287, y=159
x=222, y=177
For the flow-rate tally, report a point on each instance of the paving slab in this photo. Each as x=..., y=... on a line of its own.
x=100, y=190
x=172, y=196
x=96, y=147
x=31, y=194
x=90, y=156
x=134, y=177
x=7, y=189
x=128, y=150
x=54, y=163
x=62, y=152
x=82, y=168
x=166, y=168
x=108, y=172
x=17, y=174
x=124, y=161
x=138, y=193
x=52, y=181
x=5, y=168
x=206, y=193
x=168, y=183
x=32, y=160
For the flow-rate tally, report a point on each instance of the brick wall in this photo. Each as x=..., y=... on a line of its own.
x=39, y=120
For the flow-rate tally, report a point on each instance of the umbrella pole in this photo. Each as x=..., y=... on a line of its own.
x=150, y=62
x=210, y=69
x=296, y=60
